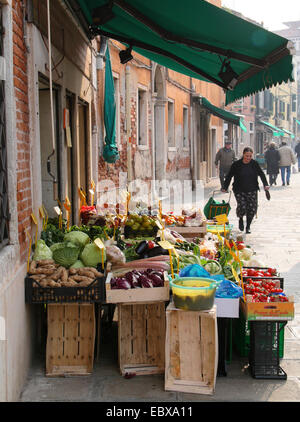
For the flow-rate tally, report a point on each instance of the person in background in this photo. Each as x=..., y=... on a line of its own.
x=287, y=158
x=224, y=158
x=297, y=151
x=272, y=159
x=245, y=186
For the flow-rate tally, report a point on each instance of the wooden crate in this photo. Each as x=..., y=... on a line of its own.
x=70, y=339
x=190, y=232
x=191, y=350
x=154, y=294
x=141, y=336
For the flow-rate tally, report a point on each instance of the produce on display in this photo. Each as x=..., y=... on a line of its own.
x=47, y=273
x=138, y=279
x=42, y=251
x=66, y=254
x=78, y=238
x=140, y=225
x=91, y=255
x=259, y=272
x=264, y=290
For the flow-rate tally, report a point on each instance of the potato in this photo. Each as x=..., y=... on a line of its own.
x=57, y=274
x=38, y=277
x=32, y=267
x=45, y=262
x=82, y=278
x=96, y=273
x=84, y=283
x=64, y=275
x=42, y=270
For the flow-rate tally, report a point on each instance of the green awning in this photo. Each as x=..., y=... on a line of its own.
x=110, y=151
x=289, y=133
x=276, y=131
x=298, y=122
x=223, y=114
x=195, y=38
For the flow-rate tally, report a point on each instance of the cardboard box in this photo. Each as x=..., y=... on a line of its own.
x=154, y=294
x=227, y=308
x=271, y=311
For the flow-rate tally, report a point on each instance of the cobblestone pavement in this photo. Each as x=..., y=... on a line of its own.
x=276, y=240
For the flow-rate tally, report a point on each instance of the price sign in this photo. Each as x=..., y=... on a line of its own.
x=167, y=245
x=67, y=206
x=98, y=242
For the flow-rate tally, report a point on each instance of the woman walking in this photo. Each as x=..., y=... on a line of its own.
x=245, y=186
x=272, y=158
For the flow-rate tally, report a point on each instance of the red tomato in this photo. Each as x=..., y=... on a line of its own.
x=240, y=246
x=151, y=244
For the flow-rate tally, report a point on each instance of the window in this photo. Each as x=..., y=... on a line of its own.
x=4, y=210
x=117, y=102
x=185, y=127
x=251, y=125
x=171, y=135
x=142, y=112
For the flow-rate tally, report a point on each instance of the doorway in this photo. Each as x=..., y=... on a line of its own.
x=50, y=158
x=83, y=147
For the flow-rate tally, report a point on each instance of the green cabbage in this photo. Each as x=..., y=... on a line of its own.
x=91, y=255
x=55, y=246
x=78, y=264
x=42, y=251
x=78, y=238
x=66, y=254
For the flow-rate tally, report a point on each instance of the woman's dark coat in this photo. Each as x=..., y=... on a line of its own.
x=272, y=158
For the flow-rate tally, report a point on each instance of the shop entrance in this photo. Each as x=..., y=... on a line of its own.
x=83, y=146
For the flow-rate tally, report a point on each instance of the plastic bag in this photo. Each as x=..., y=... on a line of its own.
x=194, y=270
x=228, y=289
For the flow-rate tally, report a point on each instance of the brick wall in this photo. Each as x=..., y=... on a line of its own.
x=24, y=201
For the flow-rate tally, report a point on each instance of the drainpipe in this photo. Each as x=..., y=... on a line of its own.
x=25, y=27
x=101, y=53
x=128, y=123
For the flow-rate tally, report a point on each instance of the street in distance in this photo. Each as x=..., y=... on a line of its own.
x=153, y=411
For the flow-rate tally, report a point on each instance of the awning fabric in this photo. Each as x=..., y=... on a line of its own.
x=289, y=133
x=298, y=122
x=110, y=151
x=192, y=37
x=276, y=131
x=223, y=114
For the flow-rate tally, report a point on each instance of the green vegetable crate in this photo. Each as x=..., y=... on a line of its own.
x=241, y=336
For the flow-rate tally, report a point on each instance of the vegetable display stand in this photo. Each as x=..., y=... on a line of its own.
x=191, y=350
x=70, y=339
x=141, y=338
x=154, y=294
x=191, y=232
x=264, y=356
x=241, y=336
x=36, y=294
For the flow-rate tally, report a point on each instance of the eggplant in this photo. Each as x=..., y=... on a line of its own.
x=156, y=251
x=142, y=247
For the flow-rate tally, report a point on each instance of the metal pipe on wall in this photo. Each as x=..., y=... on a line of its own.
x=128, y=123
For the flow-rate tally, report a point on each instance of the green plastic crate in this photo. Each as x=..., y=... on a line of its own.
x=241, y=337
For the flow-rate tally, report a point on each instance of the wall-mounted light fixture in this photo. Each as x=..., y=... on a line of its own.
x=228, y=75
x=125, y=55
